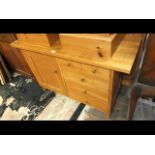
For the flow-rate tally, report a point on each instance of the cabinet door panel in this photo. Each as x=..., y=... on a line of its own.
x=46, y=70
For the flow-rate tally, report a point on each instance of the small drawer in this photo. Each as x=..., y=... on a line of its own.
x=76, y=91
x=87, y=96
x=83, y=69
x=97, y=72
x=70, y=66
x=100, y=45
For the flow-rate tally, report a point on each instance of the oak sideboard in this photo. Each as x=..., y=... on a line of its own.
x=85, y=67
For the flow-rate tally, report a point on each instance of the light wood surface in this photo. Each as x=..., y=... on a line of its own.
x=46, y=71
x=46, y=40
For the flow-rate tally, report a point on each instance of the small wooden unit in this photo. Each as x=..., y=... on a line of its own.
x=85, y=67
x=103, y=45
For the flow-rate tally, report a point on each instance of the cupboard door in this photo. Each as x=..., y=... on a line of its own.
x=45, y=70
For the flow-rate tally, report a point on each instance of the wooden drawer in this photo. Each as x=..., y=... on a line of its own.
x=102, y=45
x=95, y=85
x=86, y=95
x=70, y=67
x=76, y=91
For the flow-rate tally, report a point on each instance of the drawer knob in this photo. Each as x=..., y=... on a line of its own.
x=100, y=54
x=85, y=91
x=94, y=70
x=83, y=80
x=69, y=64
x=55, y=71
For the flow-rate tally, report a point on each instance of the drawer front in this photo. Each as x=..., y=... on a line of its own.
x=85, y=95
x=83, y=45
x=86, y=83
x=74, y=67
x=102, y=45
x=76, y=91
x=69, y=66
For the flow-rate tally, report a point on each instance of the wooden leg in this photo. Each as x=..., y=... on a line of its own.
x=132, y=105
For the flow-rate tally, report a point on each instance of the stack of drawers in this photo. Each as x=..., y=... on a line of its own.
x=86, y=83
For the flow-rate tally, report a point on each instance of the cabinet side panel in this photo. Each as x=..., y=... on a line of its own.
x=115, y=85
x=15, y=58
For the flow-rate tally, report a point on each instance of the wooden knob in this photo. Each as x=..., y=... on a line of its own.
x=94, y=71
x=100, y=53
x=82, y=80
x=55, y=71
x=85, y=91
x=69, y=64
